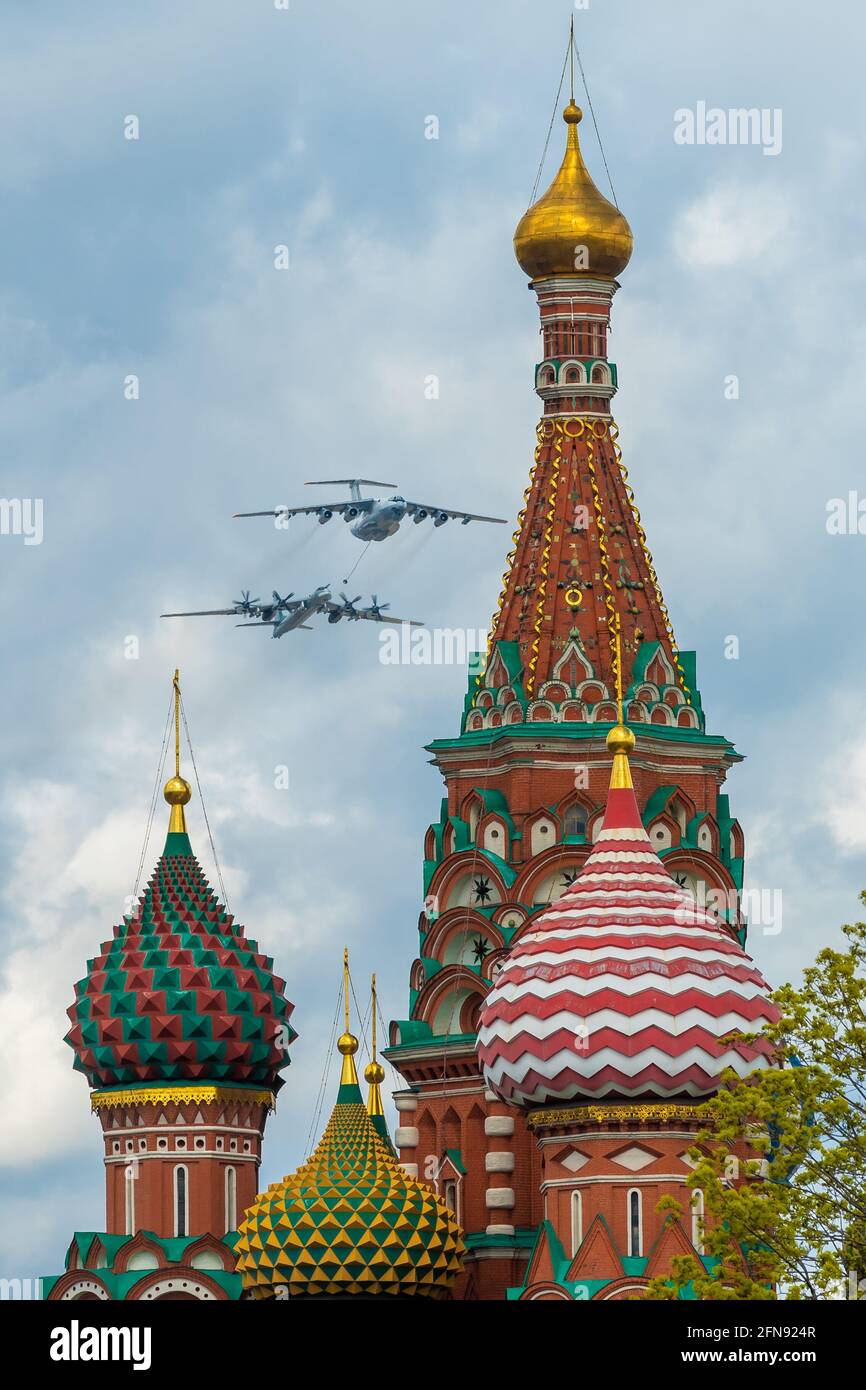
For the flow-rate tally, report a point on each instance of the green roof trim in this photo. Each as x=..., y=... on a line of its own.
x=457, y=1160
x=431, y=966
x=524, y=1238
x=180, y=1085
x=462, y=838
x=657, y=803
x=120, y=1284
x=415, y=1033
x=575, y=731
x=412, y=1032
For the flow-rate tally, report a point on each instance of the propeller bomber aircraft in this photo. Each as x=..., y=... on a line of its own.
x=283, y=615
x=372, y=518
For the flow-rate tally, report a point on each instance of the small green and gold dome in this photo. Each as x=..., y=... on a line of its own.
x=350, y=1221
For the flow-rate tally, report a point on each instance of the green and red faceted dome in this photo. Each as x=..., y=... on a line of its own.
x=180, y=995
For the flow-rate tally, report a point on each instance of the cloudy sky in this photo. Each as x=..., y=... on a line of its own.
x=154, y=258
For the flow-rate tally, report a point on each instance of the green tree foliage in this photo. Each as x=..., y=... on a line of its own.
x=782, y=1160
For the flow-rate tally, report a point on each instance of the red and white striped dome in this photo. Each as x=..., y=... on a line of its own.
x=624, y=987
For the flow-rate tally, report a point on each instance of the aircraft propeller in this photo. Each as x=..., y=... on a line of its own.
x=377, y=608
x=245, y=604
x=349, y=605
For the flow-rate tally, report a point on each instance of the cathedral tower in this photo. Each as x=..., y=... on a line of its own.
x=182, y=1029
x=526, y=775
x=613, y=1017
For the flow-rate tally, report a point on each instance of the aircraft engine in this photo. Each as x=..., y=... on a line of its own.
x=324, y=516
x=350, y=513
x=420, y=515
x=440, y=518
x=336, y=616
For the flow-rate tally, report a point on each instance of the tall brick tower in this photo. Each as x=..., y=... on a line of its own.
x=181, y=1028
x=526, y=776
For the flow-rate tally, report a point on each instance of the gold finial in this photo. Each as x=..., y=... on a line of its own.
x=177, y=791
x=347, y=1043
x=620, y=740
x=374, y=1072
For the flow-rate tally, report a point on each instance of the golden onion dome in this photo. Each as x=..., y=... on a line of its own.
x=573, y=229
x=350, y=1221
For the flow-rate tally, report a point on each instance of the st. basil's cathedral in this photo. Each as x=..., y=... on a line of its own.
x=580, y=965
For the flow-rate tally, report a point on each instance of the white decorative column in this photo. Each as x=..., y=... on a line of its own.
x=499, y=1167
x=406, y=1135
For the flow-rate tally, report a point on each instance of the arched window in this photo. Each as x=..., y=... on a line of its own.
x=181, y=1199
x=635, y=1222
x=574, y=821
x=231, y=1200
x=452, y=1200
x=576, y=1222
x=473, y=816
x=698, y=1221
x=129, y=1197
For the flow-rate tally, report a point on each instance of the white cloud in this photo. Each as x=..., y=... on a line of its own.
x=843, y=795
x=733, y=224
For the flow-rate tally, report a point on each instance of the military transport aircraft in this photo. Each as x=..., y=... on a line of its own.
x=373, y=518
x=285, y=614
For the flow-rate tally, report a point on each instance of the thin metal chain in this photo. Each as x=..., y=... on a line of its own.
x=326, y=1071
x=594, y=122
x=152, y=811
x=549, y=129
x=203, y=807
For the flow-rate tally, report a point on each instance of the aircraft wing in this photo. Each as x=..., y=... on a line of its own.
x=413, y=507
x=265, y=622
x=370, y=616
x=386, y=618
x=204, y=613
x=362, y=505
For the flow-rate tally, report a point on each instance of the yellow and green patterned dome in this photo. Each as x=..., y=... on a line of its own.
x=350, y=1221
